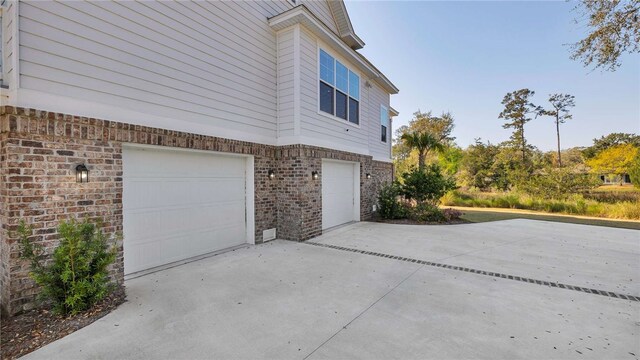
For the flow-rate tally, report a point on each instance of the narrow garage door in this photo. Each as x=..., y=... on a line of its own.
x=339, y=193
x=180, y=204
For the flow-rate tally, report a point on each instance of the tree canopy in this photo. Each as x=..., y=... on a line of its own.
x=560, y=103
x=423, y=142
x=440, y=127
x=610, y=140
x=517, y=112
x=614, y=30
x=615, y=160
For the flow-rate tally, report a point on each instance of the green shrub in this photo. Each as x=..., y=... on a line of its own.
x=426, y=213
x=76, y=277
x=451, y=214
x=390, y=207
x=426, y=186
x=557, y=183
x=634, y=171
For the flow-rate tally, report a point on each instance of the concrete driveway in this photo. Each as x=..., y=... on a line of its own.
x=501, y=290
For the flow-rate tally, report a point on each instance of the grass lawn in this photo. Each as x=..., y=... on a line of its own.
x=616, y=188
x=476, y=216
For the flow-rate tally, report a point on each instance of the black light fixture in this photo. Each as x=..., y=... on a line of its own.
x=314, y=175
x=82, y=174
x=368, y=176
x=272, y=175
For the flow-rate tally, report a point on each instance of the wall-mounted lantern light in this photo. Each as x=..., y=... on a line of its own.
x=368, y=176
x=314, y=175
x=82, y=174
x=272, y=174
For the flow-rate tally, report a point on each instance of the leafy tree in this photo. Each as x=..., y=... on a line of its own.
x=616, y=160
x=558, y=183
x=438, y=126
x=423, y=142
x=477, y=165
x=634, y=171
x=450, y=160
x=560, y=112
x=426, y=186
x=573, y=157
x=509, y=171
x=517, y=108
x=610, y=140
x=615, y=30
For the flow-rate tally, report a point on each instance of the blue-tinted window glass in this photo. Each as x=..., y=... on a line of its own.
x=341, y=105
x=342, y=77
x=326, y=67
x=354, y=114
x=384, y=116
x=326, y=98
x=354, y=85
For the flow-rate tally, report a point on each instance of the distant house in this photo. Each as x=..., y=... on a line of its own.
x=616, y=179
x=203, y=125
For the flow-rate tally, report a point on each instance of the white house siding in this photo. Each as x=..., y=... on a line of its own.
x=378, y=149
x=8, y=31
x=285, y=83
x=321, y=9
x=209, y=64
x=322, y=130
x=210, y=67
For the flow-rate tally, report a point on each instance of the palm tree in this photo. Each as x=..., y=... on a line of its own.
x=423, y=142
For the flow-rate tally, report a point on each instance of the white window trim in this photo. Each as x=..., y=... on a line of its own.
x=327, y=115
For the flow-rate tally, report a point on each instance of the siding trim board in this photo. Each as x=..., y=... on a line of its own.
x=61, y=104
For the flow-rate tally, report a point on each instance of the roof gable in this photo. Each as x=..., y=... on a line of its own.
x=345, y=28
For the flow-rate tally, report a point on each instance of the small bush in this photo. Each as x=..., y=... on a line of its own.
x=426, y=186
x=426, y=213
x=451, y=214
x=390, y=207
x=76, y=277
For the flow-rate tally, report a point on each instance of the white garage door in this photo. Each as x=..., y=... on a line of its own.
x=340, y=193
x=180, y=204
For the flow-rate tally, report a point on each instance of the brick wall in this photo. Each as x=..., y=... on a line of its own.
x=39, y=187
x=300, y=197
x=39, y=151
x=4, y=244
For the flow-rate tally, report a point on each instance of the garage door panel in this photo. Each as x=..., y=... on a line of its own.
x=174, y=164
x=144, y=193
x=173, y=212
x=151, y=222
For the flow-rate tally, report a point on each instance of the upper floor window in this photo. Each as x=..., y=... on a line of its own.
x=384, y=123
x=339, y=89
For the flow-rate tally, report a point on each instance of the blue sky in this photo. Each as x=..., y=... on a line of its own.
x=463, y=57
